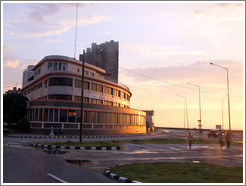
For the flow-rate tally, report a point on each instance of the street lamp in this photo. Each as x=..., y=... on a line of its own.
x=184, y=113
x=186, y=110
x=82, y=98
x=223, y=113
x=200, y=120
x=228, y=95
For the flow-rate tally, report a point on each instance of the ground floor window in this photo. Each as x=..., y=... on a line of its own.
x=53, y=115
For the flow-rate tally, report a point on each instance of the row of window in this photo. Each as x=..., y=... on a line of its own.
x=73, y=116
x=62, y=81
x=57, y=66
x=61, y=66
x=78, y=84
x=34, y=88
x=66, y=97
x=57, y=126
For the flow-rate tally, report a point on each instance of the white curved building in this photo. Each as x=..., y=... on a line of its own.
x=54, y=92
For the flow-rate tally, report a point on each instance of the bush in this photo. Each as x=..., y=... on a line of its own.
x=23, y=125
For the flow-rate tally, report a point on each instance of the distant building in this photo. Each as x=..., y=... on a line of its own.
x=105, y=56
x=54, y=92
x=27, y=75
x=150, y=120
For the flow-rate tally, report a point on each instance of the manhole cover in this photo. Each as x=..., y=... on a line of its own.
x=79, y=162
x=54, y=151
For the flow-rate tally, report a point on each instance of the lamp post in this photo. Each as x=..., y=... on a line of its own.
x=200, y=113
x=82, y=98
x=184, y=113
x=228, y=95
x=186, y=110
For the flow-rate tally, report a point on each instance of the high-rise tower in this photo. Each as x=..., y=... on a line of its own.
x=105, y=56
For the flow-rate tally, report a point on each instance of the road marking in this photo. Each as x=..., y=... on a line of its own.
x=56, y=178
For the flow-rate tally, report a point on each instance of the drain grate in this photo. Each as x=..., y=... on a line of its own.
x=79, y=162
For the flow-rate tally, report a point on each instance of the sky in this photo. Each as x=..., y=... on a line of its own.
x=163, y=46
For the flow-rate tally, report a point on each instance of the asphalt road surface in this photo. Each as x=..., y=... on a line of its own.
x=29, y=165
x=24, y=164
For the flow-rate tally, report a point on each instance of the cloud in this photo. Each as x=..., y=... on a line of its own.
x=218, y=17
x=226, y=5
x=169, y=52
x=40, y=12
x=60, y=29
x=221, y=12
x=54, y=40
x=57, y=28
x=201, y=72
x=159, y=50
x=93, y=20
x=11, y=63
x=48, y=19
x=170, y=13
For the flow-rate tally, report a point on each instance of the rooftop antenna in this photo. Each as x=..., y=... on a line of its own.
x=76, y=24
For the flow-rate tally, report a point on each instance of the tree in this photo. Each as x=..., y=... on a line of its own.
x=14, y=107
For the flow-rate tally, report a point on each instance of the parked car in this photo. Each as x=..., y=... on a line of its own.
x=213, y=133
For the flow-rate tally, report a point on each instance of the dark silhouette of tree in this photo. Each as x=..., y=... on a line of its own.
x=14, y=107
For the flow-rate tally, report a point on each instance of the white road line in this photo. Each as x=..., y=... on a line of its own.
x=56, y=178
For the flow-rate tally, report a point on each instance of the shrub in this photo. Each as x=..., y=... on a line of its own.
x=23, y=125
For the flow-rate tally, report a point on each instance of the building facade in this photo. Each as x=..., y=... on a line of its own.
x=54, y=93
x=150, y=125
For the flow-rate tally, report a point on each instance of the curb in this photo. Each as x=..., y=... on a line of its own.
x=120, y=179
x=62, y=137
x=76, y=148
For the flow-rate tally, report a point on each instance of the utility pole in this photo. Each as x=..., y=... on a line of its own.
x=200, y=113
x=228, y=95
x=82, y=98
x=222, y=114
x=76, y=25
x=186, y=111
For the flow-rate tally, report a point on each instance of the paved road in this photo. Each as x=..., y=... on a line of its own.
x=102, y=160
x=134, y=153
x=29, y=165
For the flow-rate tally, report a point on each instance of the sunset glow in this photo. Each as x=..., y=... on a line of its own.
x=162, y=47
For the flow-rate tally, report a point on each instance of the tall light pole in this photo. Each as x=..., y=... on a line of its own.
x=200, y=112
x=228, y=95
x=186, y=110
x=184, y=113
x=82, y=98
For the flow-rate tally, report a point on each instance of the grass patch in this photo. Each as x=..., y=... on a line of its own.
x=83, y=144
x=169, y=172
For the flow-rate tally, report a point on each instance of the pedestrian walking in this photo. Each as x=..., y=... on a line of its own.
x=228, y=139
x=221, y=141
x=189, y=138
